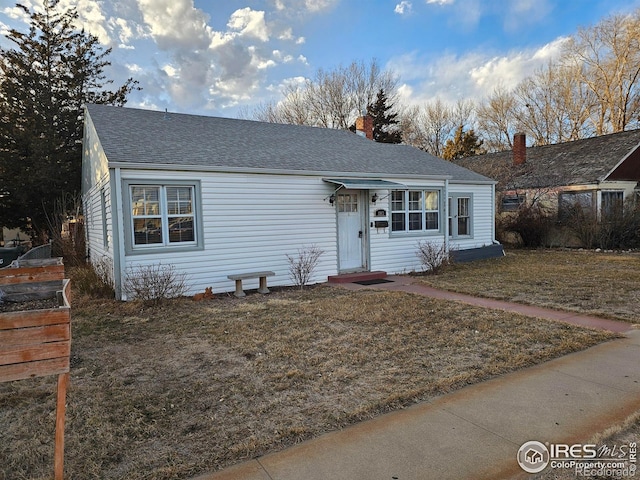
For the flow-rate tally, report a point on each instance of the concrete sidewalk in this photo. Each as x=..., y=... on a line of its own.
x=475, y=432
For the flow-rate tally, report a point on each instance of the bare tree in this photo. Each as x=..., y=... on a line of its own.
x=608, y=57
x=332, y=99
x=497, y=119
x=429, y=126
x=552, y=106
x=463, y=114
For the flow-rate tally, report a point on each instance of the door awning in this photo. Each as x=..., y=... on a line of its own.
x=365, y=184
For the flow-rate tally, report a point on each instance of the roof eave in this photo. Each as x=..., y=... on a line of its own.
x=275, y=171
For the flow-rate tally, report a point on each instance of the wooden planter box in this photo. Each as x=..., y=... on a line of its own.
x=37, y=342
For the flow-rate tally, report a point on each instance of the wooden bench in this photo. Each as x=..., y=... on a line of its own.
x=238, y=277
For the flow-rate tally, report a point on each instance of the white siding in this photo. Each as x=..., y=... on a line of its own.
x=95, y=180
x=251, y=223
x=97, y=218
x=483, y=216
x=396, y=253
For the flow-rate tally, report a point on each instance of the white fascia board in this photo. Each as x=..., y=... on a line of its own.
x=271, y=171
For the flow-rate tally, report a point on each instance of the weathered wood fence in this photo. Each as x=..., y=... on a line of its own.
x=36, y=343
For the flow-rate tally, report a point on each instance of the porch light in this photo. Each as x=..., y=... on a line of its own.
x=374, y=199
x=332, y=198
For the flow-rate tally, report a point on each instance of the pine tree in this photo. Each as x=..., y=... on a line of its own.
x=385, y=122
x=464, y=144
x=44, y=81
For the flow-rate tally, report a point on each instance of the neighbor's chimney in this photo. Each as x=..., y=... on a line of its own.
x=519, y=148
x=364, y=126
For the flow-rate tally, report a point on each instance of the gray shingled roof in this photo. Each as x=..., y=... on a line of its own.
x=581, y=162
x=133, y=136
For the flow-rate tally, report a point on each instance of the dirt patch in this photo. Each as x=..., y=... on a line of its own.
x=39, y=304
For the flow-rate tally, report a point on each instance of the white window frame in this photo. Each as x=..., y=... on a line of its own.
x=409, y=209
x=166, y=245
x=454, y=199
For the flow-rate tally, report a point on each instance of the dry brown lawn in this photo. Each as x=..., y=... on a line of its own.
x=188, y=387
x=605, y=284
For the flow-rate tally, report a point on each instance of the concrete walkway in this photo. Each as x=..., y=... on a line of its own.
x=475, y=432
x=410, y=284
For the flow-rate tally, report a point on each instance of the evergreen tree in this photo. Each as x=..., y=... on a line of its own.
x=44, y=81
x=464, y=144
x=385, y=129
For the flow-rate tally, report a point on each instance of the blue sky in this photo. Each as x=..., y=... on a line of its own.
x=220, y=57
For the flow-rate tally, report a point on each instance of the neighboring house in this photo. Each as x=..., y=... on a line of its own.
x=218, y=196
x=13, y=237
x=598, y=174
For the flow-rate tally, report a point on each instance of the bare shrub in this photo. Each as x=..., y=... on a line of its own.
x=615, y=231
x=94, y=280
x=533, y=224
x=302, y=266
x=583, y=223
x=620, y=229
x=154, y=283
x=434, y=256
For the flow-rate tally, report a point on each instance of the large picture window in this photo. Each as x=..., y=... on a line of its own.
x=571, y=204
x=415, y=210
x=162, y=215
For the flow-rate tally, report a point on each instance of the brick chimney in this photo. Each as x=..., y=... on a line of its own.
x=364, y=126
x=519, y=148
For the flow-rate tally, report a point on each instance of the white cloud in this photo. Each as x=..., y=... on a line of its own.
x=249, y=23
x=441, y=2
x=287, y=34
x=403, y=8
x=319, y=5
x=176, y=23
x=471, y=76
x=304, y=6
x=90, y=15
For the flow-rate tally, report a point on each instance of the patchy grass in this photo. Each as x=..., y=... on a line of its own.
x=602, y=284
x=188, y=387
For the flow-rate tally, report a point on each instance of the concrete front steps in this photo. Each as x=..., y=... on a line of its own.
x=357, y=277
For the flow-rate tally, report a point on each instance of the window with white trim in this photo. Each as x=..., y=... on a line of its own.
x=461, y=215
x=415, y=211
x=162, y=215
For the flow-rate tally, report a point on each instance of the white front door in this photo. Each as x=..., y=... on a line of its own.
x=350, y=231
